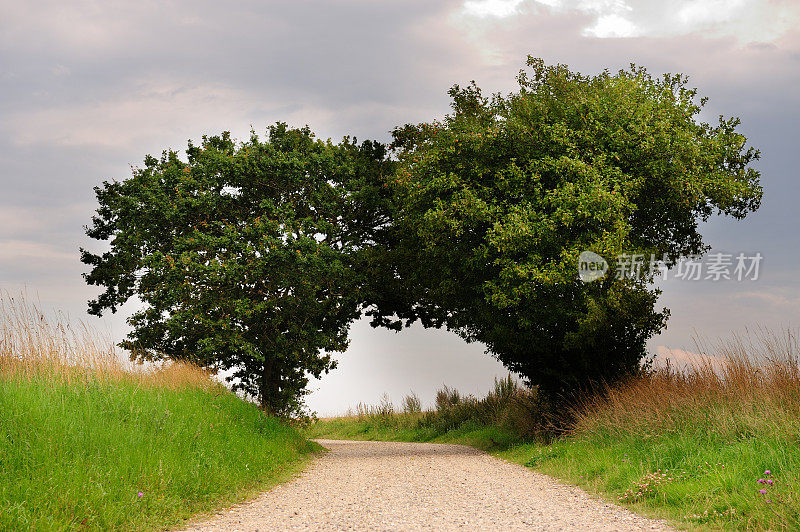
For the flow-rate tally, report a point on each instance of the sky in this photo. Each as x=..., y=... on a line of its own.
x=87, y=89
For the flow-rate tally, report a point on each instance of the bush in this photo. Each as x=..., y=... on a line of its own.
x=412, y=404
x=509, y=406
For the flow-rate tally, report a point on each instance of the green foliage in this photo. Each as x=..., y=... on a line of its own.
x=248, y=257
x=499, y=199
x=507, y=415
x=76, y=455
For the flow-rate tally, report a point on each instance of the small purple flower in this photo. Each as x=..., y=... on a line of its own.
x=140, y=494
x=768, y=472
x=761, y=481
x=762, y=491
x=769, y=481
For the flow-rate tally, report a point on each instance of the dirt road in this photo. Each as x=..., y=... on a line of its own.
x=420, y=486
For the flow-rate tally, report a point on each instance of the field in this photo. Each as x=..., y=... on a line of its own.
x=714, y=445
x=87, y=443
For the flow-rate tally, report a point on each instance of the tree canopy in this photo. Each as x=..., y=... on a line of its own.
x=256, y=257
x=500, y=197
x=245, y=257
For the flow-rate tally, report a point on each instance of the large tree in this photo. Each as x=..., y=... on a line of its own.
x=247, y=257
x=499, y=198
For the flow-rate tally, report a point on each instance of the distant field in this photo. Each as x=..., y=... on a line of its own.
x=85, y=445
x=709, y=447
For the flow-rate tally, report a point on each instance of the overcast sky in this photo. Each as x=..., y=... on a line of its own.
x=89, y=88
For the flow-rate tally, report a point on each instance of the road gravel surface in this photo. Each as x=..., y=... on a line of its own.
x=421, y=486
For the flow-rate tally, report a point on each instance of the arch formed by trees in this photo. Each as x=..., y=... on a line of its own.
x=257, y=256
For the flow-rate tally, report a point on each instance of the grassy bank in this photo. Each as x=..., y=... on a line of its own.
x=86, y=443
x=507, y=416
x=716, y=445
x=486, y=438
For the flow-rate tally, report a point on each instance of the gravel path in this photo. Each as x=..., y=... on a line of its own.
x=421, y=486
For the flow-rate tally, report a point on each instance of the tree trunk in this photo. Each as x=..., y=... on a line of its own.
x=270, y=387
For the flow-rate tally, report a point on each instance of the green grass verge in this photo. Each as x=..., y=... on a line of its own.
x=101, y=454
x=402, y=427
x=707, y=482
x=695, y=479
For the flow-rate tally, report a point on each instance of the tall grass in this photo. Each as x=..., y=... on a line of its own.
x=91, y=442
x=53, y=348
x=509, y=406
x=733, y=388
x=508, y=414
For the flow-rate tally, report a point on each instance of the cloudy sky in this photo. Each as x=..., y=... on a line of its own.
x=88, y=88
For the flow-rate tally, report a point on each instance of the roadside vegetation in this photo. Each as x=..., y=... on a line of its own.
x=715, y=444
x=509, y=415
x=90, y=443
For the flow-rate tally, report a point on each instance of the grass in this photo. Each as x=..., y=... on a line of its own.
x=505, y=417
x=496, y=422
x=89, y=444
x=688, y=445
x=486, y=438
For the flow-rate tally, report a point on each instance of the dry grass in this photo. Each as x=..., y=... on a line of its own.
x=31, y=345
x=735, y=387
x=383, y=410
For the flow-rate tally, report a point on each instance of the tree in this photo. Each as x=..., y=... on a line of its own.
x=246, y=257
x=498, y=200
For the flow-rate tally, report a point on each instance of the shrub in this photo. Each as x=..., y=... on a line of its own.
x=412, y=404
